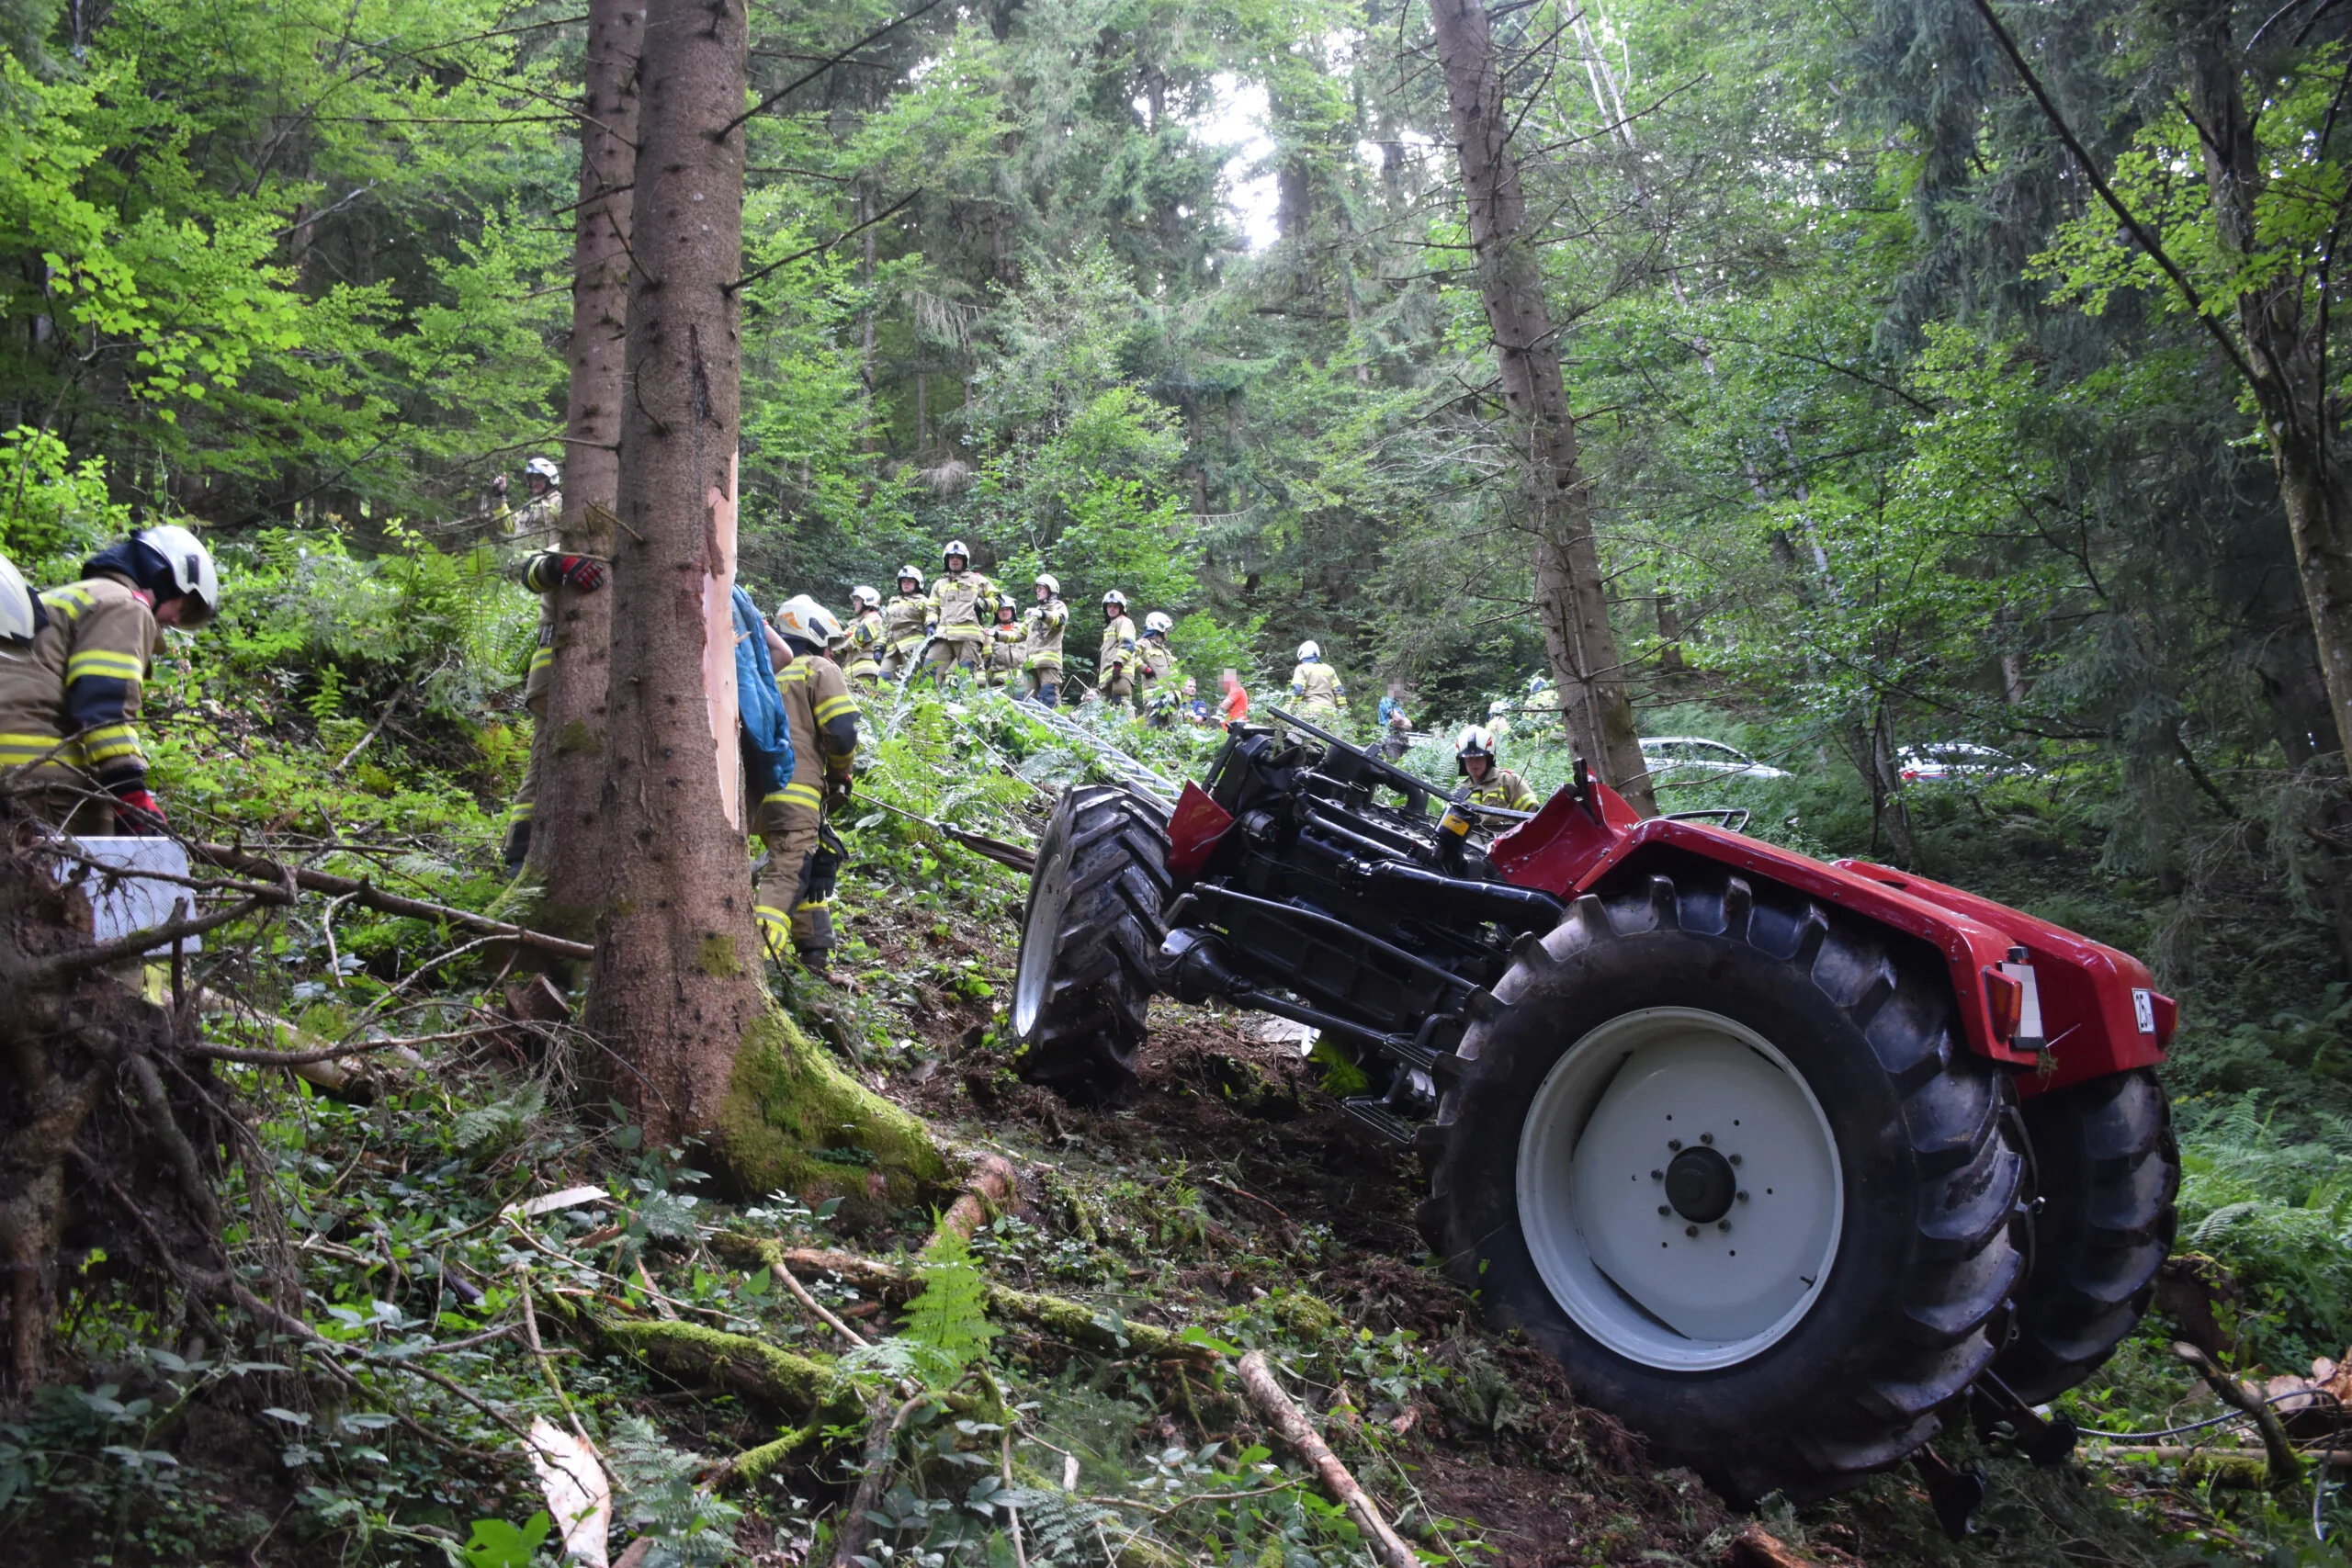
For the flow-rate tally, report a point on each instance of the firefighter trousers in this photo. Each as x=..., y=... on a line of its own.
x=793, y=898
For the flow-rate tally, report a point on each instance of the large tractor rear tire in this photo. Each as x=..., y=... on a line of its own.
x=1723, y=1153
x=2106, y=1172
x=1088, y=939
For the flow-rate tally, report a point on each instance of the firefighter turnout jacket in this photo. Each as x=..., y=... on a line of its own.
x=902, y=623
x=1118, y=649
x=1046, y=622
x=1158, y=674
x=868, y=640
x=79, y=682
x=542, y=573
x=1006, y=641
x=960, y=601
x=1504, y=788
x=824, y=728
x=1316, y=687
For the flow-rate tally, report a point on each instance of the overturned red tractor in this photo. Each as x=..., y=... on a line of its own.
x=1789, y=1164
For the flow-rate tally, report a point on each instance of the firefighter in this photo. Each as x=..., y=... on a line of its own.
x=542, y=501
x=868, y=639
x=902, y=622
x=1113, y=669
x=1007, y=640
x=1396, y=725
x=73, y=669
x=1315, y=687
x=544, y=572
x=1042, y=665
x=1157, y=665
x=1490, y=783
x=960, y=601
x=793, y=901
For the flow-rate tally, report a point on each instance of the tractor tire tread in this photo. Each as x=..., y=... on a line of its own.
x=1967, y=1252
x=1092, y=1021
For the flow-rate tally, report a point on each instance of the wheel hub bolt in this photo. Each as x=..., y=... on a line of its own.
x=1723, y=1224
x=1689, y=1230
x=1706, y=1137
x=1666, y=1208
x=1734, y=1160
x=1674, y=1143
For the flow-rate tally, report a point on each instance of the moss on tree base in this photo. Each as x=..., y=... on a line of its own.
x=795, y=1119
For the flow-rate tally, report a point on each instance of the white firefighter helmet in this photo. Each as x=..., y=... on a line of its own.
x=803, y=619
x=1114, y=597
x=1499, y=707
x=909, y=574
x=864, y=597
x=1476, y=740
x=1537, y=682
x=190, y=564
x=953, y=549
x=1308, y=652
x=544, y=468
x=1157, y=624
x=1050, y=582
x=18, y=620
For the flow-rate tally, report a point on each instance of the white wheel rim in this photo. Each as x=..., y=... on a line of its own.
x=1692, y=1289
x=1049, y=899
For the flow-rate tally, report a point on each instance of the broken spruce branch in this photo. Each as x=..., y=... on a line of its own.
x=361, y=891
x=1291, y=1424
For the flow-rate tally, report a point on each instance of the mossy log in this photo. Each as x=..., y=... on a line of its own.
x=804, y=1388
x=1060, y=1316
x=796, y=1120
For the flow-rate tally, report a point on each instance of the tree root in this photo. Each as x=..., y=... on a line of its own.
x=994, y=1182
x=1291, y=1424
x=1059, y=1315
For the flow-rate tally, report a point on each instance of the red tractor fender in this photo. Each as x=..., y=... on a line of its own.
x=2100, y=1012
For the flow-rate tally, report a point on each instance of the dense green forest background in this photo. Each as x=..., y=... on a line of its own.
x=1892, y=442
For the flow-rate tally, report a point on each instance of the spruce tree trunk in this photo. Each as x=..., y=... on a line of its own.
x=2302, y=419
x=569, y=740
x=698, y=1049
x=677, y=981
x=1570, y=600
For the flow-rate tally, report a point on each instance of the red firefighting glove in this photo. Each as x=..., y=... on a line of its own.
x=584, y=572
x=137, y=812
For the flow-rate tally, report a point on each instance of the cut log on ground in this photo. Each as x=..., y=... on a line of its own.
x=1291, y=1424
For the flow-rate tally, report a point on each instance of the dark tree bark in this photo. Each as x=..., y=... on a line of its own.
x=2284, y=353
x=1570, y=598
x=565, y=855
x=677, y=985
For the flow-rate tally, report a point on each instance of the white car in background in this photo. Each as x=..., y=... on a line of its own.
x=1690, y=760
x=1940, y=760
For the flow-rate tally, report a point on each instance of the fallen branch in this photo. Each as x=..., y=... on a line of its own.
x=365, y=892
x=1072, y=1320
x=2285, y=1466
x=1291, y=1424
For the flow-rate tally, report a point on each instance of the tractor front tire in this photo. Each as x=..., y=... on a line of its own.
x=2107, y=1173
x=1725, y=1154
x=1089, y=937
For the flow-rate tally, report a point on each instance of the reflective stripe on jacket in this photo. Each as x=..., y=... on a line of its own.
x=1118, y=648
x=79, y=682
x=1317, y=685
x=960, y=601
x=824, y=724
x=1046, y=623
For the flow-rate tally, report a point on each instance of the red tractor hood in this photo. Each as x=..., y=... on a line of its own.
x=2100, y=1013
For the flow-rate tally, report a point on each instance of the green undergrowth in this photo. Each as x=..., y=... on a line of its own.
x=190, y=1437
